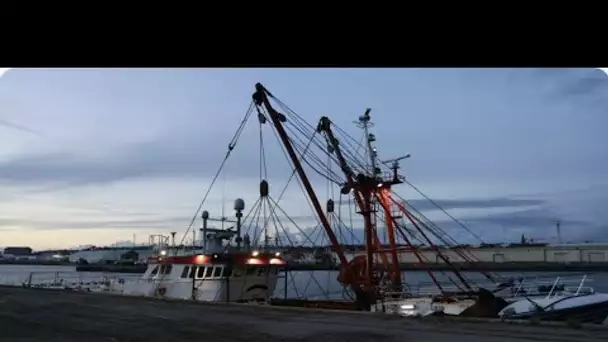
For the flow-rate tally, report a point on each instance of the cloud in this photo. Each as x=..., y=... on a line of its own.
x=538, y=223
x=142, y=160
x=150, y=224
x=574, y=83
x=588, y=85
x=580, y=212
x=3, y=71
x=604, y=70
x=167, y=155
x=9, y=124
x=8, y=224
x=482, y=203
x=477, y=137
x=533, y=218
x=310, y=230
x=181, y=149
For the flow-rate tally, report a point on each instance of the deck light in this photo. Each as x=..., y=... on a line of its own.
x=275, y=261
x=201, y=259
x=254, y=261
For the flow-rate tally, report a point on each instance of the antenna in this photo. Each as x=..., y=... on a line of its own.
x=395, y=161
x=395, y=166
x=223, y=199
x=559, y=231
x=365, y=123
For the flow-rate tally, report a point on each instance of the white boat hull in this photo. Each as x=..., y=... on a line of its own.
x=587, y=308
x=422, y=307
x=244, y=289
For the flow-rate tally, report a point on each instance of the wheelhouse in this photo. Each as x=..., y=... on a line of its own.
x=215, y=266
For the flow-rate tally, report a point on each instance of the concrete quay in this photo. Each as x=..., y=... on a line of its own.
x=49, y=315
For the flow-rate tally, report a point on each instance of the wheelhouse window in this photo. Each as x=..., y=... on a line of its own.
x=208, y=271
x=185, y=272
x=217, y=271
x=201, y=272
x=227, y=271
x=154, y=271
x=166, y=269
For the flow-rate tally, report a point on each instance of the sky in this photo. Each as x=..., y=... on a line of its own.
x=99, y=156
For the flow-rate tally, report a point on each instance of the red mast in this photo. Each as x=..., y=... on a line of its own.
x=371, y=190
x=260, y=98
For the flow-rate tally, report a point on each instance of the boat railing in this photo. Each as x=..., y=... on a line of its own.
x=66, y=280
x=49, y=279
x=101, y=282
x=530, y=286
x=551, y=287
x=540, y=286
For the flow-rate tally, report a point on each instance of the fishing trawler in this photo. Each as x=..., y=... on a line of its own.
x=222, y=272
x=368, y=183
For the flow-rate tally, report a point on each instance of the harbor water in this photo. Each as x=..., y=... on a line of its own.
x=302, y=284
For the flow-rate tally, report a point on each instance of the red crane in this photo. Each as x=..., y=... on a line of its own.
x=371, y=189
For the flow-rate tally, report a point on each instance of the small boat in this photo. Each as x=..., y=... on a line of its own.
x=543, y=287
x=579, y=308
x=423, y=306
x=481, y=302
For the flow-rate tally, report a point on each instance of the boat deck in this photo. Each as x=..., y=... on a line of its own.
x=51, y=315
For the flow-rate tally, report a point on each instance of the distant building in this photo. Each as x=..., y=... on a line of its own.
x=52, y=256
x=18, y=251
x=129, y=256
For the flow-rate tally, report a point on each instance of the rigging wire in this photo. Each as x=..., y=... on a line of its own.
x=308, y=201
x=303, y=152
x=297, y=144
x=352, y=159
x=350, y=140
x=263, y=175
x=443, y=210
x=231, y=146
x=262, y=114
x=293, y=173
x=349, y=137
x=320, y=163
x=303, y=124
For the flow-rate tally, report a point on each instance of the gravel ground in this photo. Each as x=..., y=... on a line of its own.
x=49, y=316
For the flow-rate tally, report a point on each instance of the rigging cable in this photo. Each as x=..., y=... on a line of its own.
x=282, y=193
x=299, y=149
x=263, y=176
x=297, y=119
x=359, y=144
x=231, y=146
x=441, y=209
